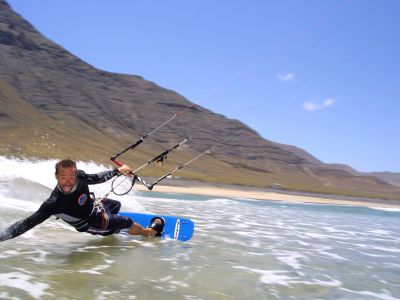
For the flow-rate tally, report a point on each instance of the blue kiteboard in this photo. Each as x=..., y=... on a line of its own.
x=175, y=228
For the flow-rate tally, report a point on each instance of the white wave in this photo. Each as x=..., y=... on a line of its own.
x=17, y=204
x=96, y=270
x=380, y=232
x=111, y=295
x=38, y=256
x=41, y=171
x=281, y=277
x=220, y=201
x=129, y=203
x=249, y=253
x=292, y=259
x=384, y=296
x=23, y=282
x=330, y=283
x=9, y=253
x=379, y=248
x=317, y=235
x=391, y=209
x=373, y=254
x=334, y=256
x=270, y=276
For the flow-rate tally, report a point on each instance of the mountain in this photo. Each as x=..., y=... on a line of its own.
x=389, y=177
x=54, y=105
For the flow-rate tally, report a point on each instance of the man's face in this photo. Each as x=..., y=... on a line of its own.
x=66, y=179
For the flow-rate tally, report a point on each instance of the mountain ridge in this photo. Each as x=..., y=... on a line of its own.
x=54, y=104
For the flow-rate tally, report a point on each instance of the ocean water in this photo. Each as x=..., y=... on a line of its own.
x=241, y=249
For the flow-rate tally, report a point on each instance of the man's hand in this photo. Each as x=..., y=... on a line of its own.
x=125, y=170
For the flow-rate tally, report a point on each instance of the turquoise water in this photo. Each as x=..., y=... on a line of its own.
x=242, y=249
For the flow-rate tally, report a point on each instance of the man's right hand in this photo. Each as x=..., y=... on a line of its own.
x=125, y=170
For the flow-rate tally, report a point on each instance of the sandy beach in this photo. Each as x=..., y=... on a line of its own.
x=248, y=193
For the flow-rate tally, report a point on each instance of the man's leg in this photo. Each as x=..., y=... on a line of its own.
x=107, y=221
x=117, y=222
x=111, y=206
x=134, y=229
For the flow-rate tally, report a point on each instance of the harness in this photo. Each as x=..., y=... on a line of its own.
x=98, y=218
x=100, y=212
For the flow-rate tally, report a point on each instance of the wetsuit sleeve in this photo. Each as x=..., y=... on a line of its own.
x=24, y=225
x=99, y=177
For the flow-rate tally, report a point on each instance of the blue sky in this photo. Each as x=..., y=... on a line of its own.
x=320, y=75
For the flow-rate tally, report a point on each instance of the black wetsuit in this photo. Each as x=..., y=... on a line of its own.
x=77, y=208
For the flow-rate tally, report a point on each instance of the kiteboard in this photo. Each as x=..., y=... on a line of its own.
x=175, y=228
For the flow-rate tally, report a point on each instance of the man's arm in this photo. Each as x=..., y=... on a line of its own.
x=24, y=225
x=99, y=177
x=104, y=176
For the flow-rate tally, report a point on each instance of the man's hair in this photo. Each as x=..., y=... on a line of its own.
x=65, y=163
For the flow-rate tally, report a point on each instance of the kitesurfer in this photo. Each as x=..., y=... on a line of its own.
x=72, y=202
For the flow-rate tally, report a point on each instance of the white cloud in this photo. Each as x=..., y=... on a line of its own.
x=312, y=106
x=328, y=102
x=286, y=77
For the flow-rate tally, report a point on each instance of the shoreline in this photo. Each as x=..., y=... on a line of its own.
x=248, y=193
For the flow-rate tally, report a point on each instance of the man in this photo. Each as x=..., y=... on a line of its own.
x=71, y=201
